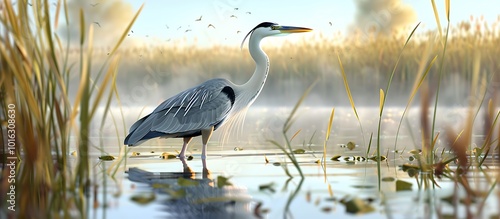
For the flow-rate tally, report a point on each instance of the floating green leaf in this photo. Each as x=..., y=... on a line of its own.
x=166, y=156
x=176, y=194
x=336, y=158
x=375, y=158
x=160, y=186
x=135, y=154
x=143, y=198
x=106, y=157
x=351, y=145
x=388, y=179
x=412, y=172
x=405, y=167
x=187, y=182
x=223, y=181
x=299, y=151
x=403, y=185
x=357, y=206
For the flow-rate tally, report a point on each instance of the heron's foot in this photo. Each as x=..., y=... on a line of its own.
x=206, y=173
x=188, y=171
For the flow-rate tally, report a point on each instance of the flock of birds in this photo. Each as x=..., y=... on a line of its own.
x=232, y=16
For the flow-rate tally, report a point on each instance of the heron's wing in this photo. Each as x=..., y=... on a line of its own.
x=188, y=112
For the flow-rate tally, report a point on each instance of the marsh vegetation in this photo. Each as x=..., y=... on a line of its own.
x=384, y=115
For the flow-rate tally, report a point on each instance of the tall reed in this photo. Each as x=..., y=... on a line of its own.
x=36, y=70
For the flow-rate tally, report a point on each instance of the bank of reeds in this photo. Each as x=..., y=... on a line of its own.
x=34, y=81
x=369, y=61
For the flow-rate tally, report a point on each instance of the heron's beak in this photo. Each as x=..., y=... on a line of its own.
x=290, y=29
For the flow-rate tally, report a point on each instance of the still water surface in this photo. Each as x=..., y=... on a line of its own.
x=242, y=158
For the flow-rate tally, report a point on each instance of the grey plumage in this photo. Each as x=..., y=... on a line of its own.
x=185, y=114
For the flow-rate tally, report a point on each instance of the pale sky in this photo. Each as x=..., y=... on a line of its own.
x=174, y=22
x=180, y=17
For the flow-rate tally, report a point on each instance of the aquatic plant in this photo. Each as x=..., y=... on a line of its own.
x=34, y=84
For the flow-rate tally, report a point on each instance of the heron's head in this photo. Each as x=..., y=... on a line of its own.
x=266, y=29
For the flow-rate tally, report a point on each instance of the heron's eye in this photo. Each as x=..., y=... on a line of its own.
x=274, y=27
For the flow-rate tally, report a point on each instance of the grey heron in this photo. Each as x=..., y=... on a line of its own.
x=202, y=109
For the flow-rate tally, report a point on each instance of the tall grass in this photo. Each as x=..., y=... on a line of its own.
x=36, y=70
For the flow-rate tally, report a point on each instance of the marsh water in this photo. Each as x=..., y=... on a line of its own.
x=147, y=185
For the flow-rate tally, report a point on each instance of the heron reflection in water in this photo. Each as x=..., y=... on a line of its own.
x=202, y=109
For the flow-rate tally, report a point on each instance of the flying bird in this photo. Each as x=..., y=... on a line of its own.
x=233, y=16
x=211, y=25
x=187, y=30
x=95, y=22
x=249, y=12
x=330, y=23
x=204, y=108
x=199, y=19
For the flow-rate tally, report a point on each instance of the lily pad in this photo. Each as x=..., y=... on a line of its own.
x=351, y=145
x=357, y=206
x=143, y=198
x=403, y=185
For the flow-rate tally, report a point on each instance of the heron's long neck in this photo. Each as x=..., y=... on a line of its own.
x=251, y=89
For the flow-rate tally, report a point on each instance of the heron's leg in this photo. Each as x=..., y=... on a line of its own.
x=205, y=136
x=182, y=156
x=184, y=147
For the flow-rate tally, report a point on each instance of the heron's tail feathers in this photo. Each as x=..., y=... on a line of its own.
x=137, y=131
